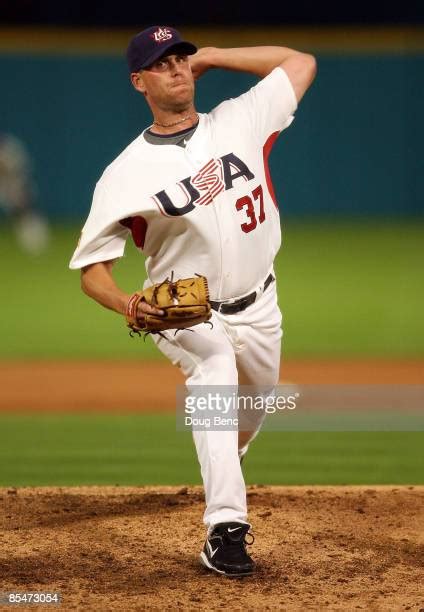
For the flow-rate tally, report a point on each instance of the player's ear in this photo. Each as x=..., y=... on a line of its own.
x=138, y=83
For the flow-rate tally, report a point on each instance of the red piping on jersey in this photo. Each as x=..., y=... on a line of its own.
x=138, y=227
x=266, y=151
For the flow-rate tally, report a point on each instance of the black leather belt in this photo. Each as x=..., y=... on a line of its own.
x=241, y=303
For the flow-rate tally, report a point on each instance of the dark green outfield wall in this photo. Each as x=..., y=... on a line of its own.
x=355, y=147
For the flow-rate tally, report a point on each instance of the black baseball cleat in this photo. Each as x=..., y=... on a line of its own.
x=224, y=551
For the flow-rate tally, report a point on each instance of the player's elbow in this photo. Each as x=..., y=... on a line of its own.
x=306, y=69
x=310, y=66
x=301, y=69
x=84, y=280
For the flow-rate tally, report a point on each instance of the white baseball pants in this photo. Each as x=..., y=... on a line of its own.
x=242, y=348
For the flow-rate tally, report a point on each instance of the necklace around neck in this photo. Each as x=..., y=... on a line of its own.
x=166, y=125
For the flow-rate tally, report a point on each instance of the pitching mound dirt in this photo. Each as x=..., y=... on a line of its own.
x=118, y=548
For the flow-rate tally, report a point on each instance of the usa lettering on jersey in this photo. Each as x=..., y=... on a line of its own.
x=216, y=175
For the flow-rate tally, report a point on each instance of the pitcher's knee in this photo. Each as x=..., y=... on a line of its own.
x=220, y=369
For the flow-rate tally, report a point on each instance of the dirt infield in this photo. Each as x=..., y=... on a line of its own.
x=148, y=385
x=119, y=548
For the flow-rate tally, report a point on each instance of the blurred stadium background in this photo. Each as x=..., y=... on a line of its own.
x=349, y=179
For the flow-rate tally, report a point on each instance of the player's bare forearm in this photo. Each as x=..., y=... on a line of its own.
x=256, y=60
x=98, y=283
x=300, y=67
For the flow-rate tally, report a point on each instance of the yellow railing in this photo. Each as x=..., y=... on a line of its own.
x=319, y=39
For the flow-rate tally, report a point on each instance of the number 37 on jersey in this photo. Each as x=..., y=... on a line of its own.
x=216, y=176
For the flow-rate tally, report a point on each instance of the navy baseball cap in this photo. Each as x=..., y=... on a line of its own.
x=149, y=45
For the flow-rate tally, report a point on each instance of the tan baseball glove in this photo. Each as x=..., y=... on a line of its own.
x=184, y=302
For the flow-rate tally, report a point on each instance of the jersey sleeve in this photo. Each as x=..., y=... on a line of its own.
x=267, y=107
x=103, y=237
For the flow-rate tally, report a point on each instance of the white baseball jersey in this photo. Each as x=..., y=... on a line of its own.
x=207, y=208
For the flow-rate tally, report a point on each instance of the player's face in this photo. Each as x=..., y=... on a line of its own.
x=168, y=83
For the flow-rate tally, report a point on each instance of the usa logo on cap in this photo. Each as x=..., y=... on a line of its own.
x=162, y=34
x=152, y=43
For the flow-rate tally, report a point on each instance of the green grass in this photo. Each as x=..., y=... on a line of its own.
x=67, y=449
x=46, y=314
x=346, y=288
x=353, y=288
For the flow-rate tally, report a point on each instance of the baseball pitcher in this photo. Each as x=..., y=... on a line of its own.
x=194, y=192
